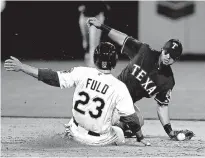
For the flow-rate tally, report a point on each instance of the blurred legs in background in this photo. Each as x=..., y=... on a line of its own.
x=90, y=37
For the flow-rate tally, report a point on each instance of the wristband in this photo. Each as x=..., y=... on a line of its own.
x=105, y=28
x=139, y=138
x=168, y=128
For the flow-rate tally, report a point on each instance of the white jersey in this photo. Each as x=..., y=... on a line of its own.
x=95, y=97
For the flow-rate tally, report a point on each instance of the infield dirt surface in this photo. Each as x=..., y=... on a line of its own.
x=42, y=137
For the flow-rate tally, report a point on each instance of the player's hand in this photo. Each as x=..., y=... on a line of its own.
x=94, y=22
x=146, y=143
x=140, y=138
x=13, y=64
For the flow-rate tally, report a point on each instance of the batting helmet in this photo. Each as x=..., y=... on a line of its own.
x=174, y=48
x=105, y=56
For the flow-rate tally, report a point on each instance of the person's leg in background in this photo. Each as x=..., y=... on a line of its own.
x=84, y=31
x=94, y=39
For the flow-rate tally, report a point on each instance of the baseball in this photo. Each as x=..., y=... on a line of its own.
x=181, y=136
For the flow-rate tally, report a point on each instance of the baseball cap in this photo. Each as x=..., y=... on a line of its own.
x=174, y=48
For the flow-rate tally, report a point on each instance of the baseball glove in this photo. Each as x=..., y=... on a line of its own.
x=188, y=134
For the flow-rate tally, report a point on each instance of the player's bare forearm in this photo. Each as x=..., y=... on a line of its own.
x=117, y=36
x=163, y=114
x=47, y=76
x=113, y=34
x=13, y=64
x=32, y=71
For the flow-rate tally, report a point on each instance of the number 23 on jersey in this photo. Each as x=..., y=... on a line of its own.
x=86, y=101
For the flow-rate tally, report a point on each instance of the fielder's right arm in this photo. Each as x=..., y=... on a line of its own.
x=113, y=34
x=130, y=46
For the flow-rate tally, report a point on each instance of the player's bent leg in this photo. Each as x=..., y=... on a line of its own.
x=120, y=135
x=77, y=133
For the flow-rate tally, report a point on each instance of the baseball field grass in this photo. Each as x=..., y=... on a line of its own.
x=33, y=115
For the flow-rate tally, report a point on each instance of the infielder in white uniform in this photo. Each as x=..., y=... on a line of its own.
x=97, y=96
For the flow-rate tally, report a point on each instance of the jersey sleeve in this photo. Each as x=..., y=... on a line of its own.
x=125, y=105
x=68, y=78
x=163, y=98
x=131, y=47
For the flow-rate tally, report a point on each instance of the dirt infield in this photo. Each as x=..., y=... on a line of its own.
x=42, y=137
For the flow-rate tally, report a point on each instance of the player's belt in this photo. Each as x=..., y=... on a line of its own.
x=89, y=132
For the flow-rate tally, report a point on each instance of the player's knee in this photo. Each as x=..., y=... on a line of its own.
x=120, y=135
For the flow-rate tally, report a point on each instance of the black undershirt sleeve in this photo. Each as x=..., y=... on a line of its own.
x=132, y=121
x=49, y=77
x=134, y=124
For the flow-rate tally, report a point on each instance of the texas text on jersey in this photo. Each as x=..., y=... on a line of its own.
x=143, y=76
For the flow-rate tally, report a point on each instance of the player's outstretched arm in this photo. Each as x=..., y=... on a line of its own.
x=163, y=115
x=13, y=64
x=113, y=34
x=46, y=75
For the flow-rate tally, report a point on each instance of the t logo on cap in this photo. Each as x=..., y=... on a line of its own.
x=174, y=45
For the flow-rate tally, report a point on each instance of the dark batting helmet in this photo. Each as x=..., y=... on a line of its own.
x=174, y=48
x=105, y=56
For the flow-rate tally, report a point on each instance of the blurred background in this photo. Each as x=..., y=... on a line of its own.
x=50, y=30
x=47, y=34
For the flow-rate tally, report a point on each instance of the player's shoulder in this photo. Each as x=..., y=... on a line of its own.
x=84, y=69
x=144, y=46
x=120, y=85
x=152, y=50
x=79, y=71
